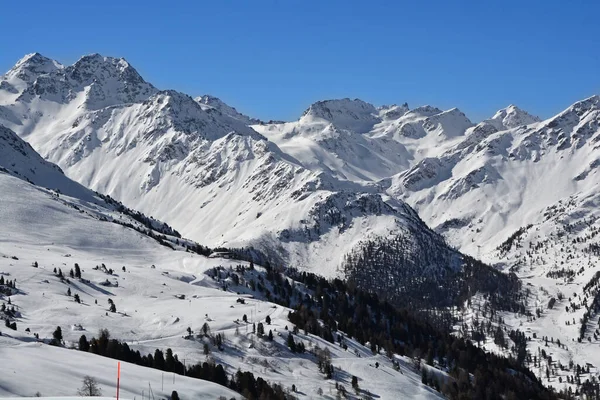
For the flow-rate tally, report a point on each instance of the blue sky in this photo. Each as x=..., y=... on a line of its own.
x=273, y=58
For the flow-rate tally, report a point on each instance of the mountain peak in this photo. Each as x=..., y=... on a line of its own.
x=449, y=123
x=31, y=66
x=425, y=111
x=105, y=81
x=98, y=66
x=512, y=117
x=592, y=102
x=354, y=115
x=220, y=105
x=394, y=111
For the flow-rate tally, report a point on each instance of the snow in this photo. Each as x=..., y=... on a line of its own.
x=59, y=372
x=160, y=294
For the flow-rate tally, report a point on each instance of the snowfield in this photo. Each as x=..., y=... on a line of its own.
x=158, y=296
x=29, y=368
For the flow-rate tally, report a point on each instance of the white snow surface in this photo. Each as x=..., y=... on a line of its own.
x=160, y=293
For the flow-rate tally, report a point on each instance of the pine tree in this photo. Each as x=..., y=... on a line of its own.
x=83, y=343
x=77, y=271
x=169, y=360
x=57, y=337
x=112, y=306
x=260, y=329
x=159, y=359
x=291, y=343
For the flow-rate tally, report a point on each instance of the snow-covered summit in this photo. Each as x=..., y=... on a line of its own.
x=94, y=80
x=224, y=108
x=449, y=123
x=353, y=115
x=169, y=109
x=393, y=112
x=511, y=117
x=31, y=66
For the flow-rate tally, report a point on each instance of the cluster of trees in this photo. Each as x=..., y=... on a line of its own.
x=242, y=382
x=148, y=222
x=7, y=287
x=295, y=347
x=513, y=240
x=591, y=289
x=11, y=325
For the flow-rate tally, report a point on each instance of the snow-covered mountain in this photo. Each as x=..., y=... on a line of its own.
x=199, y=166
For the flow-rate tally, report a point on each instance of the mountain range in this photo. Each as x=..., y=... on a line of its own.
x=348, y=190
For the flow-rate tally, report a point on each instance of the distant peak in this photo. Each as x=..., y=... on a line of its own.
x=101, y=67
x=426, y=111
x=394, y=111
x=588, y=103
x=210, y=100
x=512, y=117
x=98, y=59
x=345, y=104
x=32, y=57
x=31, y=66
x=354, y=115
x=224, y=108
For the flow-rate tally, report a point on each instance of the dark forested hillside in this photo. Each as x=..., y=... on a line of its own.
x=426, y=273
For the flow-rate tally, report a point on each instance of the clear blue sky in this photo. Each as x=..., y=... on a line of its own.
x=271, y=59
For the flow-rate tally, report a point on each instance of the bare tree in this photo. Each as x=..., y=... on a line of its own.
x=89, y=387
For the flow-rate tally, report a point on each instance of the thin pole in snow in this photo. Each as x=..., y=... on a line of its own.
x=118, y=378
x=162, y=382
